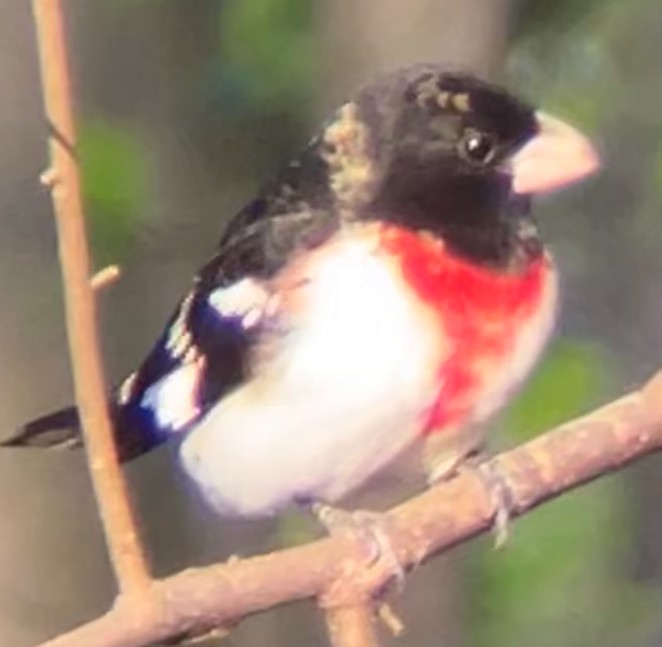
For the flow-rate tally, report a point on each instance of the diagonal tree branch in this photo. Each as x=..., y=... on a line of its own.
x=198, y=600
x=64, y=180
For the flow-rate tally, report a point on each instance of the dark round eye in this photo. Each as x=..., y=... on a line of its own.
x=477, y=147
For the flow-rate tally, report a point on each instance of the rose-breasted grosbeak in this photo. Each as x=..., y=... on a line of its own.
x=389, y=285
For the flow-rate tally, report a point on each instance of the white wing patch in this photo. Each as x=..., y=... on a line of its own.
x=179, y=339
x=247, y=299
x=174, y=398
x=125, y=391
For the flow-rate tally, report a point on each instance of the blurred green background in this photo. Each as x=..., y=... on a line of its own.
x=185, y=107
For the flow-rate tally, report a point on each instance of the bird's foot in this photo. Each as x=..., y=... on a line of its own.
x=501, y=494
x=444, y=465
x=369, y=528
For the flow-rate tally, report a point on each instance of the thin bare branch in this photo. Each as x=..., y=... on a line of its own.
x=196, y=600
x=352, y=625
x=64, y=181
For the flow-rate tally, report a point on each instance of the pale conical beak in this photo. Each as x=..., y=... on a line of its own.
x=556, y=157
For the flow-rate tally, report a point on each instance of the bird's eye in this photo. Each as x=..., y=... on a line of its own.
x=477, y=147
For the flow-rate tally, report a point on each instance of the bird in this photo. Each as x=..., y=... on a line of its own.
x=389, y=287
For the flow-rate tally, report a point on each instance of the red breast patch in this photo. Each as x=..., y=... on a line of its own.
x=483, y=313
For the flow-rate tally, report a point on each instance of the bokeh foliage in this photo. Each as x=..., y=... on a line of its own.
x=116, y=169
x=267, y=50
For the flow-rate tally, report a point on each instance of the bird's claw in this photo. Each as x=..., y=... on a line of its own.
x=369, y=528
x=503, y=500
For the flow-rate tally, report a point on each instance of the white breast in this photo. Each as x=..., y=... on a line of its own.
x=340, y=396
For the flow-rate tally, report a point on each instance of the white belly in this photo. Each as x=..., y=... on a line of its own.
x=342, y=395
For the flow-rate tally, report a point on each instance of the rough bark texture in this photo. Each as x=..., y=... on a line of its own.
x=335, y=571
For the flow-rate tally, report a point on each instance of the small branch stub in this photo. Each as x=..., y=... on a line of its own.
x=105, y=277
x=49, y=177
x=390, y=619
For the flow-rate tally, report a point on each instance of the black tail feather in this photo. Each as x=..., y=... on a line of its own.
x=59, y=428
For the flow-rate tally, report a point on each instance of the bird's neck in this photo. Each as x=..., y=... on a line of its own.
x=504, y=237
x=479, y=220
x=447, y=280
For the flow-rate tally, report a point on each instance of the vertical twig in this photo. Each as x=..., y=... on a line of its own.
x=63, y=177
x=352, y=625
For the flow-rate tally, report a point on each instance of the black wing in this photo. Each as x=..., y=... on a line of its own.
x=294, y=213
x=203, y=353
